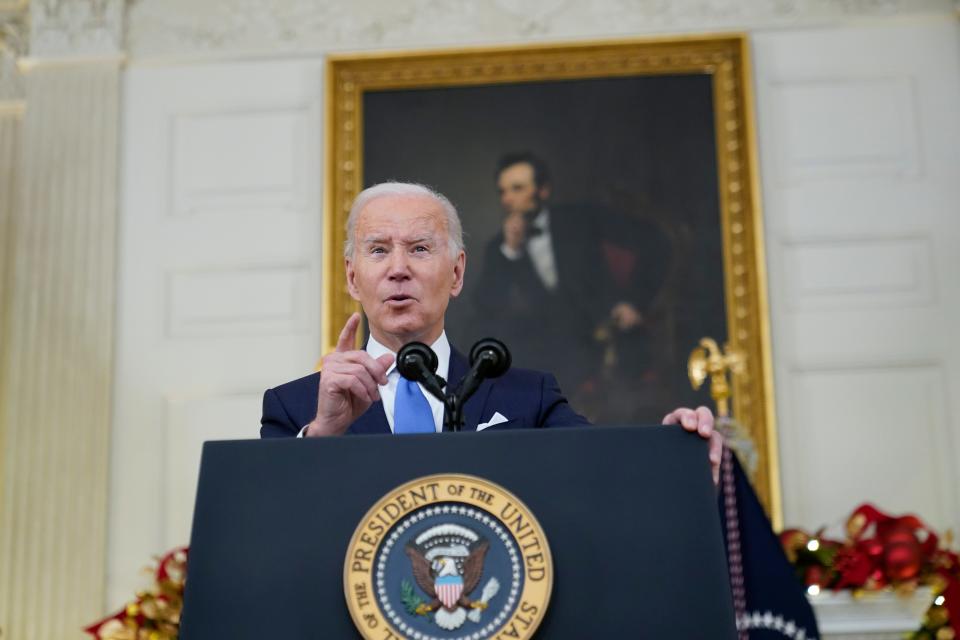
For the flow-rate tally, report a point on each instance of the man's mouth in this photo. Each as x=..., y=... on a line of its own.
x=399, y=299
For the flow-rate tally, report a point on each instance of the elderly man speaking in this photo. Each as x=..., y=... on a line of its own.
x=405, y=259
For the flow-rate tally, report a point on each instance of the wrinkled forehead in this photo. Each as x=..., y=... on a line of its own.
x=401, y=216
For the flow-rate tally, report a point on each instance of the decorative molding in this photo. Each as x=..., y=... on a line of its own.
x=265, y=174
x=187, y=27
x=854, y=126
x=862, y=272
x=70, y=28
x=247, y=300
x=13, y=45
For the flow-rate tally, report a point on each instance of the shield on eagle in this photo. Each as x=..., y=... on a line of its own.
x=448, y=590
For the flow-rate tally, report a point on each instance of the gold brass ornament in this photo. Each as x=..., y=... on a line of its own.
x=707, y=360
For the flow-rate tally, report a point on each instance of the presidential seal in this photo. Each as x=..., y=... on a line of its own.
x=448, y=557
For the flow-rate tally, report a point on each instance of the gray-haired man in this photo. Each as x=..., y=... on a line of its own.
x=405, y=260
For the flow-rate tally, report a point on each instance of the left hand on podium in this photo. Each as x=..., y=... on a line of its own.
x=700, y=422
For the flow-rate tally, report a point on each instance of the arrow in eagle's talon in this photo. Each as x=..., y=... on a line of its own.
x=489, y=590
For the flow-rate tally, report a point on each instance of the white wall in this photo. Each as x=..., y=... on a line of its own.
x=219, y=274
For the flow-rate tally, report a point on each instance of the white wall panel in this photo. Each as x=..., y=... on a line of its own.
x=883, y=208
x=229, y=161
x=243, y=301
x=859, y=273
x=835, y=128
x=859, y=336
x=872, y=434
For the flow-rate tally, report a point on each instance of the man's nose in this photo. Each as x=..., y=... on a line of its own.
x=399, y=266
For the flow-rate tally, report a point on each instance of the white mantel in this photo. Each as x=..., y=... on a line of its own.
x=871, y=616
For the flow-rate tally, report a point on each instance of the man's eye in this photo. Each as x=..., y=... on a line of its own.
x=421, y=248
x=378, y=250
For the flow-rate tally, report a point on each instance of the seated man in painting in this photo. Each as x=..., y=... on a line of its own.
x=568, y=285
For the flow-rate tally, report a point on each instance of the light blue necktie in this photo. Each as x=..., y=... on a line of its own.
x=412, y=413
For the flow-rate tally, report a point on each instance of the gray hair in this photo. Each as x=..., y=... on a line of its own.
x=384, y=189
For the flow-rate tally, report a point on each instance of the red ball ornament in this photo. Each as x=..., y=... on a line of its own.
x=872, y=547
x=852, y=566
x=901, y=554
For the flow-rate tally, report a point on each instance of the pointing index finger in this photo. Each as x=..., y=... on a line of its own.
x=348, y=337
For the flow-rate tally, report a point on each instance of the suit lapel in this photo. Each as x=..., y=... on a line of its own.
x=473, y=410
x=373, y=421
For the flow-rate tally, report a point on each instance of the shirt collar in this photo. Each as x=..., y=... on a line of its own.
x=542, y=220
x=441, y=347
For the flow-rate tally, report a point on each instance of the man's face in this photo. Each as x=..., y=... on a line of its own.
x=401, y=270
x=519, y=193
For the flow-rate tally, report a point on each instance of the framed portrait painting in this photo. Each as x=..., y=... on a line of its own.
x=609, y=200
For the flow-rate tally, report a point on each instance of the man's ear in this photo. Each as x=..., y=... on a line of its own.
x=458, y=270
x=351, y=279
x=544, y=192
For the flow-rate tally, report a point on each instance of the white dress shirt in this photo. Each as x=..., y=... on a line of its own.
x=388, y=392
x=540, y=248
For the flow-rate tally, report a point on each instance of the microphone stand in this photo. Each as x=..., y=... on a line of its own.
x=453, y=412
x=489, y=359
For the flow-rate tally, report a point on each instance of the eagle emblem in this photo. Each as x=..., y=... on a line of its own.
x=438, y=558
x=447, y=563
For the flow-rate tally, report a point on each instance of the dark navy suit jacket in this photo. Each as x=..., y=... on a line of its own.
x=528, y=399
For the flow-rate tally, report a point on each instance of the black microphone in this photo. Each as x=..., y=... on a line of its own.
x=489, y=358
x=416, y=361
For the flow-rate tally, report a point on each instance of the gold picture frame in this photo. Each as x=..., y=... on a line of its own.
x=724, y=59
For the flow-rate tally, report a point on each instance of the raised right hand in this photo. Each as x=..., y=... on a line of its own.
x=348, y=383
